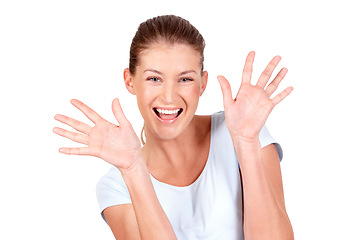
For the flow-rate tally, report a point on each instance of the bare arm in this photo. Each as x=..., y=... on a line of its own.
x=122, y=221
x=151, y=218
x=144, y=218
x=119, y=146
x=265, y=216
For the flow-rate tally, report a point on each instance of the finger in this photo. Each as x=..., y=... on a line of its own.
x=226, y=90
x=75, y=151
x=76, y=137
x=248, y=67
x=265, y=76
x=118, y=112
x=89, y=113
x=77, y=125
x=271, y=88
x=277, y=99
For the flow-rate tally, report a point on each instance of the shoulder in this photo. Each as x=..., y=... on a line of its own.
x=215, y=125
x=266, y=140
x=111, y=190
x=214, y=121
x=115, y=205
x=111, y=181
x=222, y=136
x=203, y=125
x=112, y=177
x=203, y=120
x=218, y=121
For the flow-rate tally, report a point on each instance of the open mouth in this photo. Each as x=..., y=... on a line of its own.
x=167, y=115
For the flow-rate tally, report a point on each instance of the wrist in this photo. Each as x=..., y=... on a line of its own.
x=136, y=167
x=246, y=142
x=247, y=150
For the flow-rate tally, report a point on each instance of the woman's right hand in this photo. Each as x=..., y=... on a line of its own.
x=117, y=145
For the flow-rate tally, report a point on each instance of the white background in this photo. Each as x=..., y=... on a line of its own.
x=53, y=51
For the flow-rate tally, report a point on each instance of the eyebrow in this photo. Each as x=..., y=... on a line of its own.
x=182, y=73
x=153, y=70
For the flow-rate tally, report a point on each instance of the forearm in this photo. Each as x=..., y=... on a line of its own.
x=264, y=215
x=151, y=218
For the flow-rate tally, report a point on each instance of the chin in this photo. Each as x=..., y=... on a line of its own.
x=171, y=131
x=168, y=135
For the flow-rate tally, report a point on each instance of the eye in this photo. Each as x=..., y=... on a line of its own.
x=154, y=79
x=186, y=80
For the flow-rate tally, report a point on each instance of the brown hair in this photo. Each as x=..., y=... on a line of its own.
x=168, y=28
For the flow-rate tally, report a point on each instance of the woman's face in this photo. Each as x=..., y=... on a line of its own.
x=168, y=83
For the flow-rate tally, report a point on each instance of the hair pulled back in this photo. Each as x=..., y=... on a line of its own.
x=168, y=28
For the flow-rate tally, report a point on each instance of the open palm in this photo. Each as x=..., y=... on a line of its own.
x=248, y=112
x=117, y=145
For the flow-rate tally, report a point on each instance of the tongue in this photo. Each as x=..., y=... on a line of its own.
x=168, y=116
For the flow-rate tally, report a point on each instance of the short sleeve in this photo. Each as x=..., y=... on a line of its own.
x=266, y=139
x=111, y=190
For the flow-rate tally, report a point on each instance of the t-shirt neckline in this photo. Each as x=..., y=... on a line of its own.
x=204, y=169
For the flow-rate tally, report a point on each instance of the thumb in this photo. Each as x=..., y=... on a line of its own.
x=118, y=112
x=226, y=90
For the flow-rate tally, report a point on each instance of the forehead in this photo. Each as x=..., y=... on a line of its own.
x=169, y=57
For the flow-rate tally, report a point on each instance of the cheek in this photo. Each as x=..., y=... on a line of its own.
x=142, y=98
x=192, y=94
x=145, y=97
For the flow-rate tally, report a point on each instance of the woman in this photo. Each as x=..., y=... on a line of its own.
x=196, y=177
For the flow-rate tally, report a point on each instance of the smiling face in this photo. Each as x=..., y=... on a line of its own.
x=167, y=83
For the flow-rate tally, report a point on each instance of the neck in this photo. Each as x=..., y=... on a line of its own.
x=180, y=151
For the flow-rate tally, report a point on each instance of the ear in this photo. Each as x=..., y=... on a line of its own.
x=204, y=82
x=128, y=81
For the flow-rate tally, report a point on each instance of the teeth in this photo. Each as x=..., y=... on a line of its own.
x=163, y=111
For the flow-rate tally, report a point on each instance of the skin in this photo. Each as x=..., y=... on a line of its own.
x=265, y=216
x=169, y=76
x=162, y=80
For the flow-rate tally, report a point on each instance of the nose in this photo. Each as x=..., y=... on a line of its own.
x=168, y=93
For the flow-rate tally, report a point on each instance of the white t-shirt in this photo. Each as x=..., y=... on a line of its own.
x=208, y=209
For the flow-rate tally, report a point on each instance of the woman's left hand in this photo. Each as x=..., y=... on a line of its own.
x=248, y=112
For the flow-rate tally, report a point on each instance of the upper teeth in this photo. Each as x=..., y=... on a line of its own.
x=163, y=111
